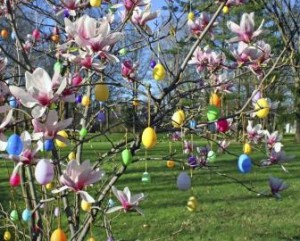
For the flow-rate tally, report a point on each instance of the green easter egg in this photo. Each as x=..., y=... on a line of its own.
x=123, y=51
x=57, y=66
x=146, y=178
x=83, y=132
x=213, y=113
x=211, y=156
x=14, y=215
x=126, y=157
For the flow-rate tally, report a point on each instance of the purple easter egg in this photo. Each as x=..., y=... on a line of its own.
x=101, y=117
x=152, y=64
x=44, y=171
x=78, y=99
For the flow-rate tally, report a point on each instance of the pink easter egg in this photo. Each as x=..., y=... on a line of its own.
x=222, y=125
x=15, y=180
x=44, y=171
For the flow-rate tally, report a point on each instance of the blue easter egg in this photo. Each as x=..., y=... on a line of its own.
x=111, y=203
x=152, y=64
x=184, y=181
x=26, y=215
x=14, y=145
x=12, y=102
x=193, y=124
x=13, y=35
x=101, y=117
x=78, y=99
x=244, y=163
x=48, y=145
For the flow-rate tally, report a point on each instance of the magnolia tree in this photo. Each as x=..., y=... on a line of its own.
x=43, y=110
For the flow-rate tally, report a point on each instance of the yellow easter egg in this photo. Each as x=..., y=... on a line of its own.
x=159, y=72
x=49, y=186
x=85, y=101
x=59, y=143
x=95, y=3
x=91, y=239
x=101, y=92
x=58, y=235
x=85, y=206
x=149, y=138
x=262, y=108
x=215, y=100
x=72, y=156
x=170, y=164
x=7, y=236
x=247, y=148
x=191, y=16
x=192, y=204
x=178, y=118
x=135, y=102
x=225, y=10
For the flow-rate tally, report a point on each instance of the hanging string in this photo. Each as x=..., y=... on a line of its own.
x=149, y=109
x=126, y=138
x=190, y=5
x=146, y=157
x=59, y=216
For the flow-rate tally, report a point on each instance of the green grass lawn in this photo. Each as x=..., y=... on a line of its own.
x=226, y=211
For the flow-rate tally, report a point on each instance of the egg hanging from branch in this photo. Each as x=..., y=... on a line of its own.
x=159, y=72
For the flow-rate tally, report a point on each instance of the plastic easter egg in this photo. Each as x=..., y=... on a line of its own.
x=192, y=161
x=95, y=3
x=15, y=180
x=178, y=118
x=193, y=124
x=4, y=33
x=58, y=235
x=222, y=125
x=213, y=113
x=13, y=35
x=225, y=10
x=135, y=102
x=192, y=204
x=191, y=16
x=56, y=211
x=59, y=143
x=152, y=63
x=85, y=206
x=57, y=66
x=101, y=92
x=123, y=51
x=14, y=215
x=49, y=185
x=247, y=149
x=110, y=239
x=262, y=108
x=91, y=239
x=101, y=117
x=14, y=145
x=146, y=178
x=66, y=13
x=126, y=157
x=48, y=145
x=85, y=101
x=36, y=34
x=211, y=156
x=83, y=132
x=72, y=156
x=184, y=181
x=149, y=137
x=7, y=236
x=215, y=100
x=244, y=163
x=159, y=72
x=55, y=38
x=26, y=215
x=111, y=203
x=44, y=172
x=78, y=99
x=170, y=164
x=212, y=127
x=12, y=102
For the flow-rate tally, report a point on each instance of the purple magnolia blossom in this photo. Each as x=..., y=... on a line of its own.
x=40, y=91
x=207, y=59
x=141, y=17
x=50, y=128
x=255, y=134
x=199, y=24
x=7, y=112
x=277, y=185
x=277, y=158
x=176, y=136
x=78, y=176
x=273, y=140
x=245, y=30
x=129, y=202
x=94, y=36
x=187, y=147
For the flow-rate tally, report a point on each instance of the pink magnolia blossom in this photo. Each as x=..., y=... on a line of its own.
x=207, y=59
x=141, y=17
x=223, y=83
x=50, y=128
x=277, y=185
x=230, y=3
x=255, y=134
x=39, y=93
x=187, y=147
x=245, y=54
x=129, y=202
x=78, y=176
x=273, y=140
x=131, y=4
x=223, y=145
x=245, y=30
x=8, y=115
x=176, y=136
x=128, y=70
x=71, y=6
x=199, y=24
x=93, y=35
